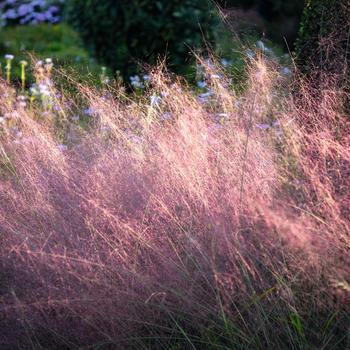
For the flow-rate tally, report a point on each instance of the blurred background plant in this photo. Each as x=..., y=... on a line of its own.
x=123, y=34
x=15, y=12
x=126, y=36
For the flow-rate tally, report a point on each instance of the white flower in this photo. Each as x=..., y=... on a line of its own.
x=134, y=78
x=155, y=100
x=201, y=84
x=261, y=45
x=23, y=63
x=286, y=71
x=48, y=60
x=9, y=57
x=34, y=91
x=225, y=63
x=44, y=89
x=250, y=53
x=136, y=82
x=21, y=98
x=204, y=98
x=205, y=94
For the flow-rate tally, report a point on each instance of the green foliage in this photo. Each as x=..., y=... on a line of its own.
x=281, y=18
x=122, y=34
x=59, y=42
x=314, y=19
x=267, y=8
x=323, y=35
x=44, y=40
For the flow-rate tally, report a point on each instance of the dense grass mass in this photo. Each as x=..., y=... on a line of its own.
x=176, y=221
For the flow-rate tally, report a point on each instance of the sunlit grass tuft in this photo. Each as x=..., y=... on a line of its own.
x=170, y=219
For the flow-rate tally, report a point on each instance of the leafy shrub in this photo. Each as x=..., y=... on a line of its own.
x=30, y=11
x=121, y=34
x=59, y=42
x=45, y=40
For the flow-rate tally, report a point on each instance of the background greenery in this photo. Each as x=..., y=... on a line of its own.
x=57, y=41
x=123, y=35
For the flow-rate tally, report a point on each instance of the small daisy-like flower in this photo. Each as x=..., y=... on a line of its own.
x=34, y=91
x=48, y=60
x=136, y=82
x=155, y=100
x=9, y=57
x=23, y=63
x=206, y=94
x=75, y=118
x=201, y=84
x=286, y=71
x=225, y=63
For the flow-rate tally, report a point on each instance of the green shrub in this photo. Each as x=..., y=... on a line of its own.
x=59, y=42
x=121, y=34
x=44, y=40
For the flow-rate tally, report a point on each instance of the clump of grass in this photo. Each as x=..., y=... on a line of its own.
x=178, y=221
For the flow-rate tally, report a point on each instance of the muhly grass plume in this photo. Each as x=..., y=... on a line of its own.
x=169, y=222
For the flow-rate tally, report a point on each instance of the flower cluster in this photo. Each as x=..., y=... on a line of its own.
x=29, y=11
x=138, y=82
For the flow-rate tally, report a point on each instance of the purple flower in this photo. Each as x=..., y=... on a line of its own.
x=10, y=14
x=29, y=11
x=263, y=126
x=24, y=10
